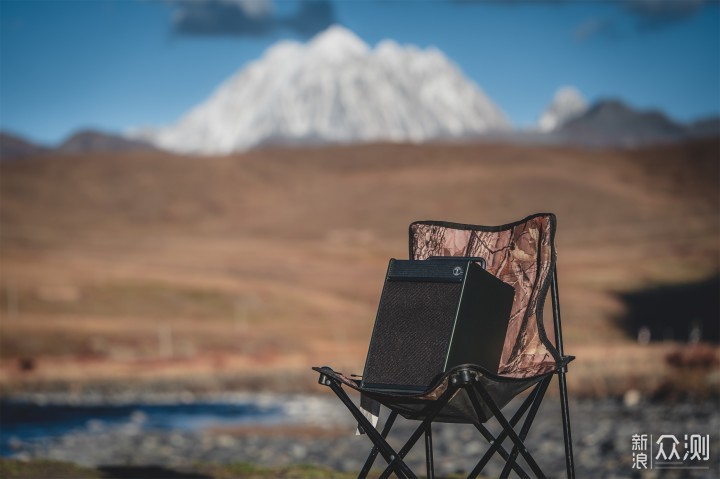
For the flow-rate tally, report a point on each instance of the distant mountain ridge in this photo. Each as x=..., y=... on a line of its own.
x=85, y=141
x=705, y=127
x=13, y=147
x=612, y=123
x=336, y=89
x=606, y=124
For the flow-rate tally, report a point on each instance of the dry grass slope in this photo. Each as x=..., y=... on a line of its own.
x=146, y=265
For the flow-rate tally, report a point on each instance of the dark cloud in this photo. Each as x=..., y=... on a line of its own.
x=664, y=8
x=652, y=14
x=644, y=15
x=509, y=2
x=647, y=14
x=649, y=8
x=250, y=18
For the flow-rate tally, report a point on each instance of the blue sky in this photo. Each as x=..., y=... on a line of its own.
x=111, y=65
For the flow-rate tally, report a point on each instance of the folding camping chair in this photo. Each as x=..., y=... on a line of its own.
x=521, y=254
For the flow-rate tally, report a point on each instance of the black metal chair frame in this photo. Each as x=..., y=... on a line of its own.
x=466, y=378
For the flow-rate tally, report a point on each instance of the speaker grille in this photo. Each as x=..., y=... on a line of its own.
x=412, y=333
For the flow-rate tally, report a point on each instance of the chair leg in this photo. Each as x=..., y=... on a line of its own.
x=569, y=461
x=429, y=453
x=374, y=452
x=565, y=410
x=394, y=460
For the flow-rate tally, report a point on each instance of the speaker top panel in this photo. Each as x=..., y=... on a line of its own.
x=444, y=269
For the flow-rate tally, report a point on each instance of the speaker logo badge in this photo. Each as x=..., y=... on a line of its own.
x=457, y=271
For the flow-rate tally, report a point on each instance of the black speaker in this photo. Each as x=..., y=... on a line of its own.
x=433, y=315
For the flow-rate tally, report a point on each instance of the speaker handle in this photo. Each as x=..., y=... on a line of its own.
x=475, y=259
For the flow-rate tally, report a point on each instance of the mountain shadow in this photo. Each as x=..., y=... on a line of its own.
x=680, y=312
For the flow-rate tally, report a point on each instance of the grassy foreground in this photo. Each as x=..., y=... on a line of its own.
x=13, y=469
x=44, y=469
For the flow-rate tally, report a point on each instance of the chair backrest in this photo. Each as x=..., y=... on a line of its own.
x=521, y=254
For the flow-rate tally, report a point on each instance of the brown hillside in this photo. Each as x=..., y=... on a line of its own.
x=146, y=264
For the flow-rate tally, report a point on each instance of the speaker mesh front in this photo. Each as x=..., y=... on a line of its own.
x=412, y=333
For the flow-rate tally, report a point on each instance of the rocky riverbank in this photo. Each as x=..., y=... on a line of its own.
x=317, y=430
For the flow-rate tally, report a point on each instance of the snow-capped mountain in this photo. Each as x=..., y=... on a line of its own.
x=567, y=104
x=334, y=89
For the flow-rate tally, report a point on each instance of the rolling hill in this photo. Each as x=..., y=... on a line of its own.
x=150, y=265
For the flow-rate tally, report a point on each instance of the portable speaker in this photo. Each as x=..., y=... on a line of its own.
x=433, y=315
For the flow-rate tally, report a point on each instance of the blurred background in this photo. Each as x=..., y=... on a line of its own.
x=199, y=200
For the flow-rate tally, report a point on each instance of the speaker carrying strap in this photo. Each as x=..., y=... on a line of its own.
x=370, y=409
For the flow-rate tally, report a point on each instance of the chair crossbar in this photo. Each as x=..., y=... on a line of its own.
x=525, y=428
x=485, y=396
x=499, y=449
x=433, y=409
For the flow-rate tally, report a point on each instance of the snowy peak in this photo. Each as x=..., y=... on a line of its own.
x=567, y=104
x=337, y=43
x=335, y=89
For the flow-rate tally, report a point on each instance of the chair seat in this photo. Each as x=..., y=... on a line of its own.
x=459, y=409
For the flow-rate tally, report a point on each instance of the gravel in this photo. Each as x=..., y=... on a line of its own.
x=323, y=434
